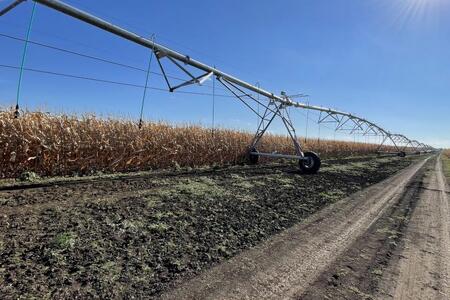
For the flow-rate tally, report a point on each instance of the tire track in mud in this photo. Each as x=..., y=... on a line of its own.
x=287, y=264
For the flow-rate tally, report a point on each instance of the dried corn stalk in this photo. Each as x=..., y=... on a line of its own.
x=61, y=144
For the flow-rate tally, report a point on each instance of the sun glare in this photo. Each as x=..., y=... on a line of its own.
x=418, y=11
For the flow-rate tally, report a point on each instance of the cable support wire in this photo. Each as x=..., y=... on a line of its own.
x=24, y=55
x=94, y=79
x=100, y=59
x=145, y=31
x=213, y=103
x=145, y=87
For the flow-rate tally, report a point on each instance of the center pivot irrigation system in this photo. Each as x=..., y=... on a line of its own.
x=275, y=106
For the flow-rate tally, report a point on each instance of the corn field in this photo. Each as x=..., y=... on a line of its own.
x=66, y=144
x=447, y=153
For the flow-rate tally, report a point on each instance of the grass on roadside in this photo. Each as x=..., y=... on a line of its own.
x=446, y=164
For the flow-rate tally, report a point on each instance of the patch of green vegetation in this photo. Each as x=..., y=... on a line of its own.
x=332, y=195
x=349, y=168
x=202, y=187
x=176, y=166
x=401, y=218
x=342, y=272
x=446, y=165
x=245, y=185
x=98, y=247
x=29, y=177
x=241, y=182
x=282, y=180
x=164, y=215
x=377, y=272
x=147, y=270
x=17, y=258
x=154, y=199
x=158, y=227
x=245, y=198
x=111, y=270
x=175, y=265
x=132, y=225
x=223, y=250
x=393, y=234
x=358, y=167
x=65, y=240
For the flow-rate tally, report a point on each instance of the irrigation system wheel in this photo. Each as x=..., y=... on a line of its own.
x=253, y=158
x=402, y=154
x=310, y=164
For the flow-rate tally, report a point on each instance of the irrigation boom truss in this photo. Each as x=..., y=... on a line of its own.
x=274, y=105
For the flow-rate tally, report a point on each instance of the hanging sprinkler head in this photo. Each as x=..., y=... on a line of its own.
x=16, y=112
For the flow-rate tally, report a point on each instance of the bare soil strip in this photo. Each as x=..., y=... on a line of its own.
x=423, y=270
x=288, y=263
x=357, y=272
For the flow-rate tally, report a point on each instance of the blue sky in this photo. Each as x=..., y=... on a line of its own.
x=384, y=60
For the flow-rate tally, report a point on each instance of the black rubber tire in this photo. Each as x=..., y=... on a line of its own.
x=253, y=159
x=402, y=154
x=312, y=163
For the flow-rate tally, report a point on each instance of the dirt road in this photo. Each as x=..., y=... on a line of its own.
x=423, y=271
x=351, y=249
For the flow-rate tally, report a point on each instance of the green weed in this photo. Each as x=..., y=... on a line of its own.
x=65, y=240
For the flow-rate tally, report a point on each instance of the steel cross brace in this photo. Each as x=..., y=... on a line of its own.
x=358, y=126
x=329, y=114
x=267, y=119
x=194, y=79
x=355, y=125
x=394, y=139
x=272, y=110
x=369, y=129
x=10, y=7
x=415, y=144
x=424, y=147
x=408, y=144
x=241, y=97
x=340, y=121
x=341, y=124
